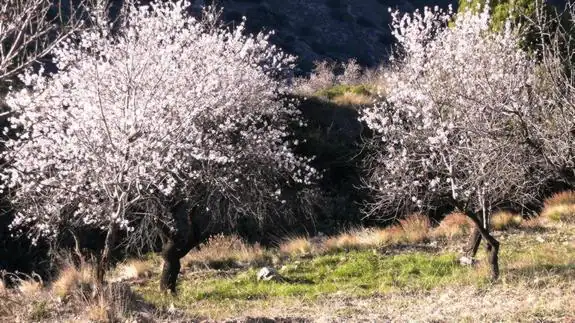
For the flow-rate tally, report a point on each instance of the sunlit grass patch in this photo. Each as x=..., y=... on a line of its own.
x=135, y=269
x=341, y=90
x=355, y=273
x=560, y=213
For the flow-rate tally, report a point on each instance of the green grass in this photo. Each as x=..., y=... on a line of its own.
x=536, y=259
x=358, y=273
x=339, y=90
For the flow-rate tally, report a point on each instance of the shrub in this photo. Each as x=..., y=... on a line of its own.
x=560, y=213
x=454, y=225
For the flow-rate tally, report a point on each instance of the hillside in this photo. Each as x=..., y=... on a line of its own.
x=320, y=29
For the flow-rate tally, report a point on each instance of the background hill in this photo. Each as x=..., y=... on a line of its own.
x=324, y=29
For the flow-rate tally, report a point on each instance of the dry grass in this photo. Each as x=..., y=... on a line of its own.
x=413, y=229
x=114, y=304
x=135, y=269
x=30, y=287
x=73, y=279
x=455, y=225
x=226, y=251
x=505, y=220
x=560, y=213
x=533, y=223
x=298, y=246
x=350, y=98
x=416, y=228
x=345, y=241
x=560, y=207
x=561, y=198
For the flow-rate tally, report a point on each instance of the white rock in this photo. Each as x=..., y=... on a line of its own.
x=267, y=274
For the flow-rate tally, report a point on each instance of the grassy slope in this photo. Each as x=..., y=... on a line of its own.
x=537, y=272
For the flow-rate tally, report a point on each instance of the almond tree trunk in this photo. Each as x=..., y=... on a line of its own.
x=492, y=245
x=103, y=262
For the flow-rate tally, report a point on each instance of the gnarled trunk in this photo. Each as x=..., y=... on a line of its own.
x=104, y=259
x=178, y=243
x=492, y=245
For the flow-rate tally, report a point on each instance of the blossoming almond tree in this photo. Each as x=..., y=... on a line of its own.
x=446, y=128
x=29, y=31
x=138, y=129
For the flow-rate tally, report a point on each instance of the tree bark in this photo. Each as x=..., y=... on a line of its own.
x=473, y=244
x=104, y=260
x=172, y=253
x=178, y=244
x=492, y=245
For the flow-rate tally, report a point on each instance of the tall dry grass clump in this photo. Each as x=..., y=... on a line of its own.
x=297, y=246
x=135, y=269
x=416, y=227
x=114, y=304
x=226, y=251
x=504, y=220
x=560, y=207
x=454, y=225
x=74, y=281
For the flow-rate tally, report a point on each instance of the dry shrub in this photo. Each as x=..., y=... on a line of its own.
x=365, y=239
x=73, y=280
x=135, y=269
x=226, y=251
x=561, y=198
x=454, y=225
x=322, y=77
x=298, y=246
x=504, y=220
x=416, y=227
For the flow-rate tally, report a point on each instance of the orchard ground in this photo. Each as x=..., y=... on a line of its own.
x=363, y=274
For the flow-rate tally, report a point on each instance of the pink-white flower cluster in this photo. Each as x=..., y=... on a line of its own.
x=164, y=109
x=447, y=125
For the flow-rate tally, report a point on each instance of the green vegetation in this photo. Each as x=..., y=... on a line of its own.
x=342, y=89
x=501, y=9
